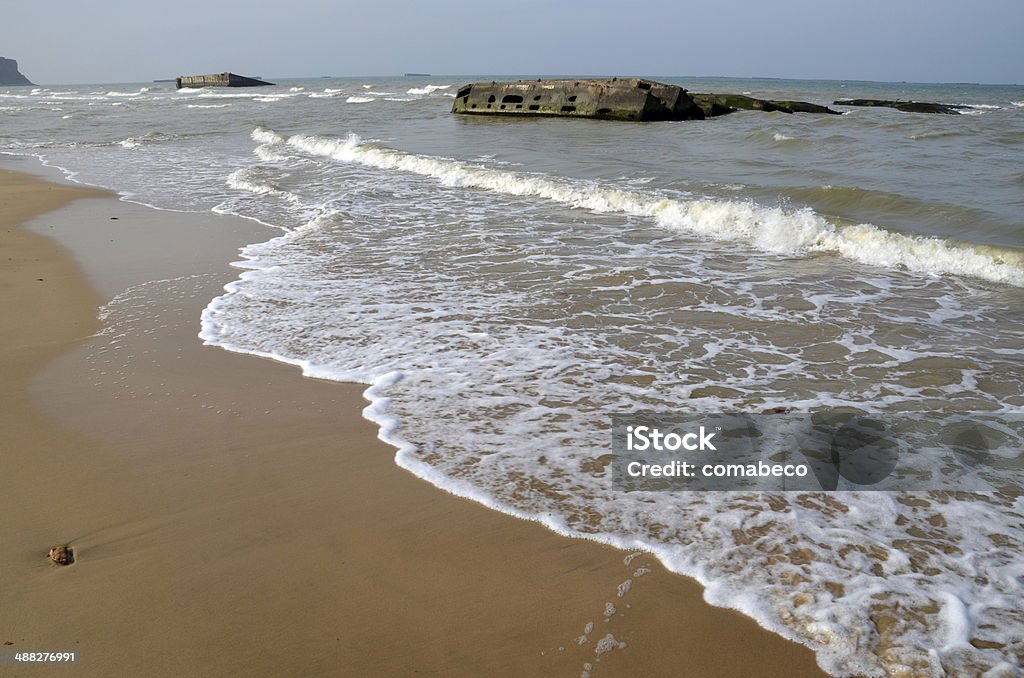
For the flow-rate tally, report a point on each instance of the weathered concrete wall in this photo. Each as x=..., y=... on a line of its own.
x=9, y=73
x=609, y=99
x=218, y=80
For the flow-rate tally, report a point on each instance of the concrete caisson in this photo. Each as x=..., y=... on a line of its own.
x=608, y=99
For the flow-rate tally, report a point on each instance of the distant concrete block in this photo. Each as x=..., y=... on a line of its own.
x=218, y=80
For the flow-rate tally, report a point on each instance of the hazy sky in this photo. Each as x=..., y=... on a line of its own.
x=71, y=41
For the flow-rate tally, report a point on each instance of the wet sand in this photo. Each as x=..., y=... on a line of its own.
x=231, y=517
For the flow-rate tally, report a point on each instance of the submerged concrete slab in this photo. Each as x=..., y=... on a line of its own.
x=218, y=80
x=723, y=104
x=905, y=106
x=606, y=99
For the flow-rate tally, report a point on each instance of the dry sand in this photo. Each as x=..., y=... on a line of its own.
x=232, y=518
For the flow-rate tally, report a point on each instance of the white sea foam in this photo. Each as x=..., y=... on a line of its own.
x=429, y=89
x=359, y=100
x=135, y=142
x=782, y=137
x=265, y=136
x=834, y=626
x=607, y=644
x=346, y=297
x=253, y=180
x=772, y=229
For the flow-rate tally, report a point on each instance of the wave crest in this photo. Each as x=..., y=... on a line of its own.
x=771, y=229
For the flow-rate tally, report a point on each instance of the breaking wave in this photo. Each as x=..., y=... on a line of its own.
x=428, y=89
x=770, y=229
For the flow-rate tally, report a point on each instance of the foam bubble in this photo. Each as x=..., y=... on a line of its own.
x=624, y=588
x=607, y=644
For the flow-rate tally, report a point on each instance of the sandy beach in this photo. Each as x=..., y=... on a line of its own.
x=230, y=517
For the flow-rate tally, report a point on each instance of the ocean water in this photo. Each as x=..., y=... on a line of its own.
x=504, y=286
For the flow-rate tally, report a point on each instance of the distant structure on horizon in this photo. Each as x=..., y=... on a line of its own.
x=225, y=79
x=417, y=75
x=10, y=75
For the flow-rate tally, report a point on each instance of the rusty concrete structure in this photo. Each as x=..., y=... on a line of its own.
x=607, y=99
x=218, y=80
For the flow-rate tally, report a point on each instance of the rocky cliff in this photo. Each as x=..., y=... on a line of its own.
x=9, y=74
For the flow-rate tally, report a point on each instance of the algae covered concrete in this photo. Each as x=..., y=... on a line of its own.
x=723, y=104
x=905, y=106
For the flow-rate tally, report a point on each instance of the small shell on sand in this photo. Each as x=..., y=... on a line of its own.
x=62, y=555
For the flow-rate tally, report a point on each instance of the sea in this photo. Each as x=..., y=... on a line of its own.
x=504, y=287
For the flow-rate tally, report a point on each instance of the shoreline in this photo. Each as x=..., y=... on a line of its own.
x=261, y=528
